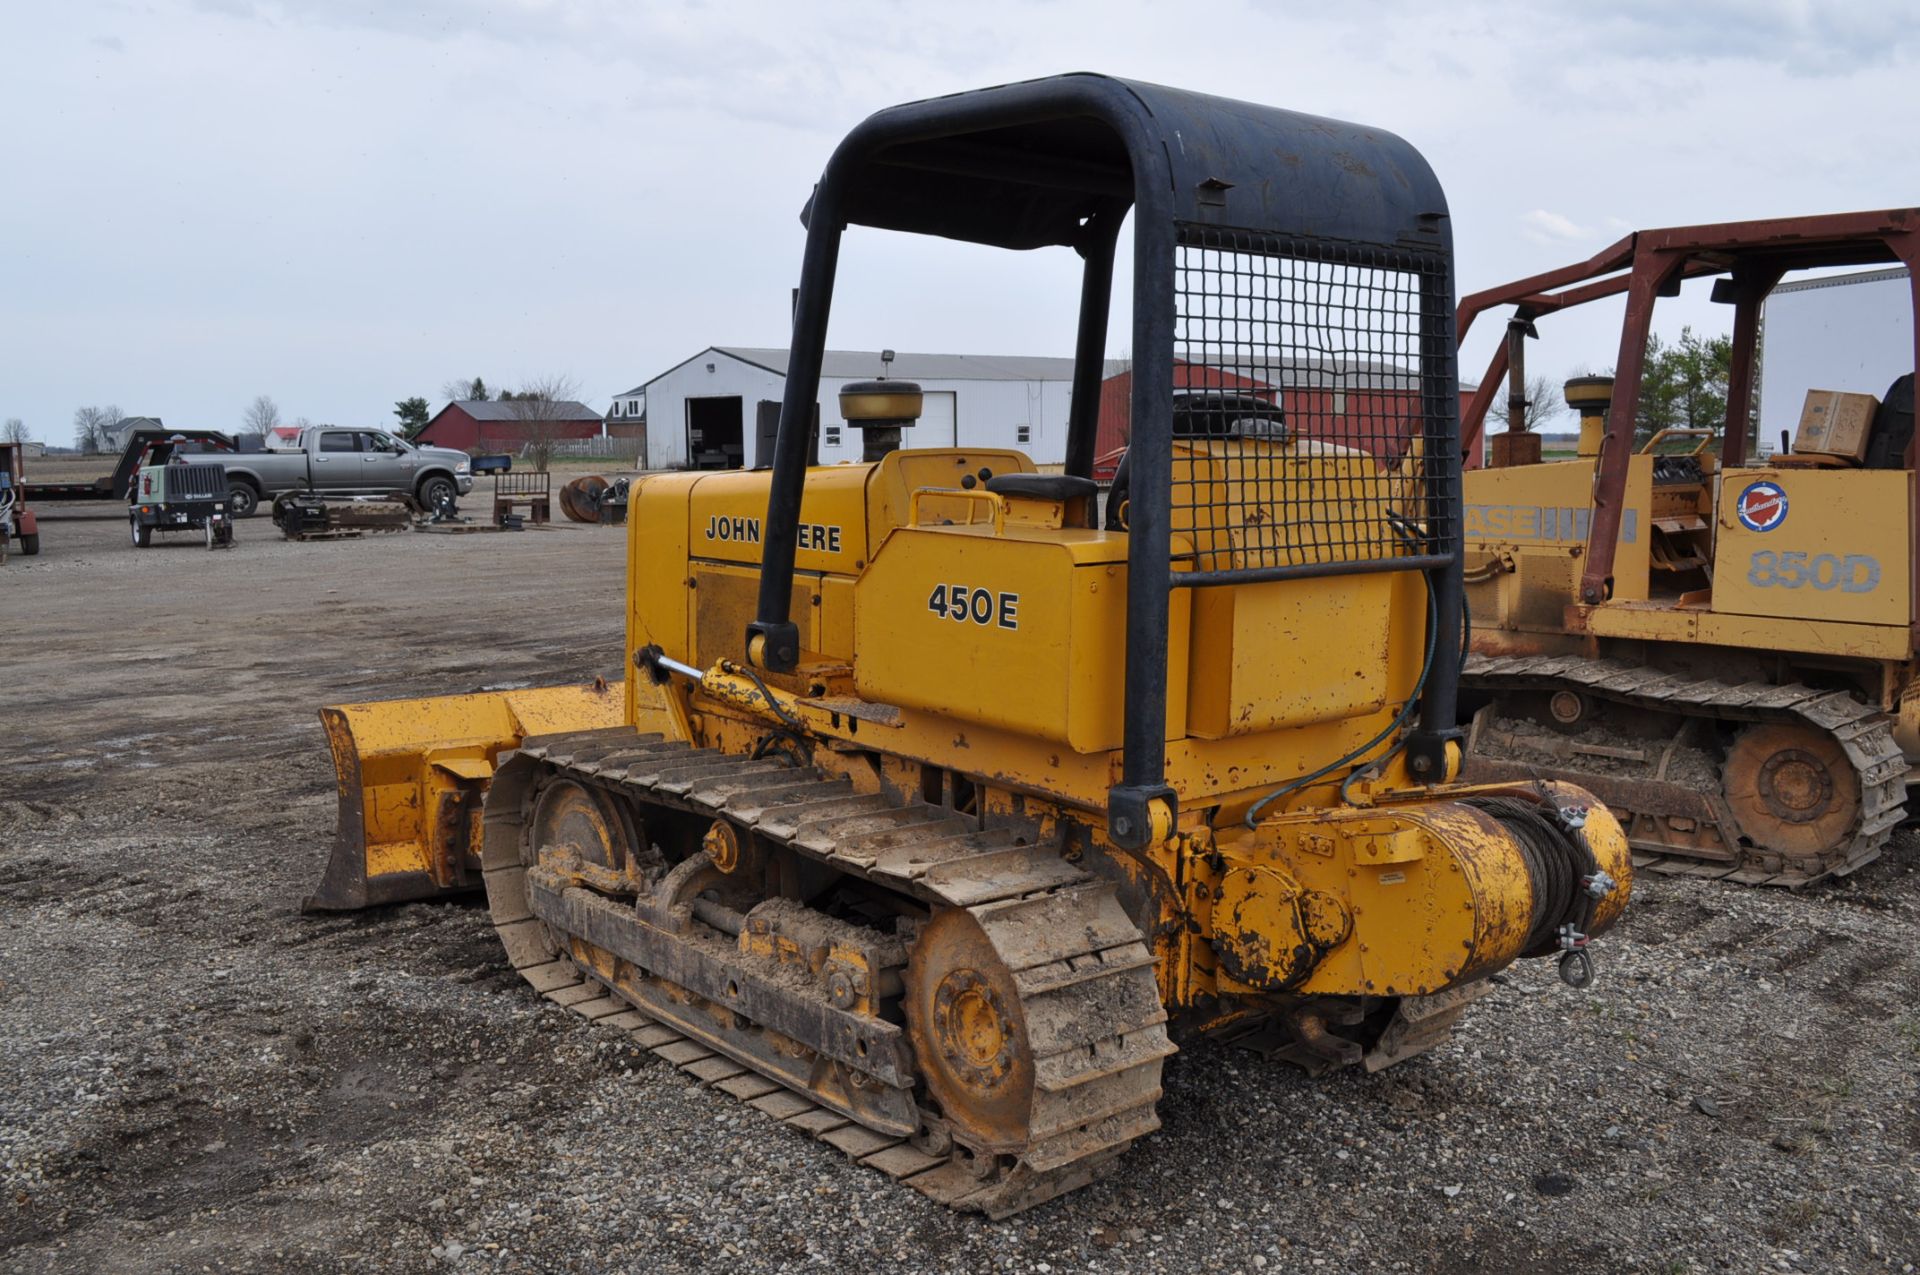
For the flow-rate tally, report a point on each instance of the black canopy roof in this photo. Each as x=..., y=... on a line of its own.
x=1025, y=165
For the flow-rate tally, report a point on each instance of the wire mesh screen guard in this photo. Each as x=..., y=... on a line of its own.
x=1309, y=429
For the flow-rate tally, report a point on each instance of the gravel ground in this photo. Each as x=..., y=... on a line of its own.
x=200, y=1078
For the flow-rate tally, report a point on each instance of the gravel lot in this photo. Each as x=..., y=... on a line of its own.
x=200, y=1078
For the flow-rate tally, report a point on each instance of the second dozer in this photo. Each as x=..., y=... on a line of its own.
x=1721, y=645
x=939, y=803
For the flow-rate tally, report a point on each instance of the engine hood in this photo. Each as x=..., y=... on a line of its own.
x=448, y=456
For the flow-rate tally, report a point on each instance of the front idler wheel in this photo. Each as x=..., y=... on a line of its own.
x=969, y=1033
x=1792, y=789
x=586, y=832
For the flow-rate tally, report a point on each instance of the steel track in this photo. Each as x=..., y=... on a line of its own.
x=1083, y=970
x=1679, y=831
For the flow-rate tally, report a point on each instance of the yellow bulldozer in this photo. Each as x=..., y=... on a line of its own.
x=943, y=797
x=1718, y=643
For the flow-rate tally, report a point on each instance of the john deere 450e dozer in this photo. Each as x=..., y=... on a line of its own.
x=944, y=795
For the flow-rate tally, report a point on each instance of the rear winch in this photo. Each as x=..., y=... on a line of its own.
x=1568, y=881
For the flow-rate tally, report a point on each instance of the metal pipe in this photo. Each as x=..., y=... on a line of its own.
x=1650, y=272
x=1090, y=346
x=1615, y=256
x=1473, y=427
x=778, y=645
x=719, y=916
x=1149, y=515
x=1517, y=374
x=1307, y=570
x=1907, y=247
x=675, y=666
x=1440, y=388
x=1751, y=290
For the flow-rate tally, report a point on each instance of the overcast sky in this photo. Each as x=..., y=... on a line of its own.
x=345, y=202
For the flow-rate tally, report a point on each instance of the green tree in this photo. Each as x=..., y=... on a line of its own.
x=1683, y=384
x=474, y=391
x=413, y=415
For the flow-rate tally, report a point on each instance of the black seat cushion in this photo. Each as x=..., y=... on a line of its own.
x=1061, y=487
x=1213, y=414
x=1892, y=427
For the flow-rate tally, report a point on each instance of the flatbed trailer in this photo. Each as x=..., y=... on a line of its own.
x=113, y=486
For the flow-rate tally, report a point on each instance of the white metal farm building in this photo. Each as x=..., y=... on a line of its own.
x=720, y=408
x=1851, y=332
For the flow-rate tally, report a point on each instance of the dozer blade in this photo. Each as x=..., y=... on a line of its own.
x=412, y=774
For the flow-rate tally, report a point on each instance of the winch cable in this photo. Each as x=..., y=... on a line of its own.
x=1567, y=878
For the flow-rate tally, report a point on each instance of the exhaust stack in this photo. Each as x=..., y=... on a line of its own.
x=880, y=410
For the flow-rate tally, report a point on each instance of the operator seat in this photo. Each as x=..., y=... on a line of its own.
x=1206, y=415
x=1076, y=495
x=1892, y=428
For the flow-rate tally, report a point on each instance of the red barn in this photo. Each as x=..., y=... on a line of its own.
x=1363, y=403
x=1116, y=406
x=478, y=425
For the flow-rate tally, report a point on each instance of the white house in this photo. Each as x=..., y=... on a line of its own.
x=114, y=437
x=628, y=407
x=720, y=409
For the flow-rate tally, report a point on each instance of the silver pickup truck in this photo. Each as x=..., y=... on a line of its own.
x=347, y=462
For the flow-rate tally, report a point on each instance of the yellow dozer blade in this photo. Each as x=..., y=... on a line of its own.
x=412, y=774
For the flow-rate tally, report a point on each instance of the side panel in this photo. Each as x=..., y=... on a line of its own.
x=1812, y=544
x=724, y=601
x=684, y=528
x=725, y=514
x=1288, y=652
x=1648, y=623
x=1025, y=635
x=657, y=594
x=1539, y=514
x=834, y=635
x=846, y=512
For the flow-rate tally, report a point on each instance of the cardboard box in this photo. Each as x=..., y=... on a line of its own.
x=1835, y=424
